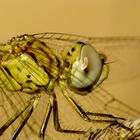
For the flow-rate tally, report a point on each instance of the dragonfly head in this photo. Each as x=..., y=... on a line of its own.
x=87, y=68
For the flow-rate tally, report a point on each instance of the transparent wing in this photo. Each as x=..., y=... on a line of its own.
x=123, y=55
x=115, y=132
x=17, y=110
x=15, y=106
x=118, y=94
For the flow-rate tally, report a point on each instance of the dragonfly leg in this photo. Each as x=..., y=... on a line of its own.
x=96, y=117
x=45, y=120
x=33, y=103
x=52, y=104
x=15, y=116
x=56, y=119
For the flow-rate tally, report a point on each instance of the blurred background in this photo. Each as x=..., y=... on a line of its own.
x=90, y=17
x=94, y=18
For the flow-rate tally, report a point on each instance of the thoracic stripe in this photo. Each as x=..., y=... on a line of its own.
x=31, y=65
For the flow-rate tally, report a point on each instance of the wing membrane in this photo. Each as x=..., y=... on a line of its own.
x=123, y=55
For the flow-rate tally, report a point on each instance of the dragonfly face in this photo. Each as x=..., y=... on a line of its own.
x=30, y=64
x=87, y=68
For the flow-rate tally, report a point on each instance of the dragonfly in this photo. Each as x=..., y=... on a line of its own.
x=53, y=85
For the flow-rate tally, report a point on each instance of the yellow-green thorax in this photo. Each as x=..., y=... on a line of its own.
x=27, y=65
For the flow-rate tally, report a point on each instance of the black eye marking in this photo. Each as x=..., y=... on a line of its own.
x=68, y=53
x=67, y=64
x=28, y=76
x=28, y=81
x=73, y=49
x=19, y=69
x=81, y=43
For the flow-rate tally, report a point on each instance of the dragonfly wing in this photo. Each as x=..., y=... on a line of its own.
x=120, y=91
x=123, y=55
x=115, y=132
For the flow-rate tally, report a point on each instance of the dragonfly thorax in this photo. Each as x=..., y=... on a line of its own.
x=31, y=65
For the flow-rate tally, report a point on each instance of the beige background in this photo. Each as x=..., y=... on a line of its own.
x=84, y=17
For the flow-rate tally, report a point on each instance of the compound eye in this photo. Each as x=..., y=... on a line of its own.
x=87, y=68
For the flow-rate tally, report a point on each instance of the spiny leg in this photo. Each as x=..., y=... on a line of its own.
x=52, y=104
x=98, y=117
x=33, y=104
x=56, y=119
